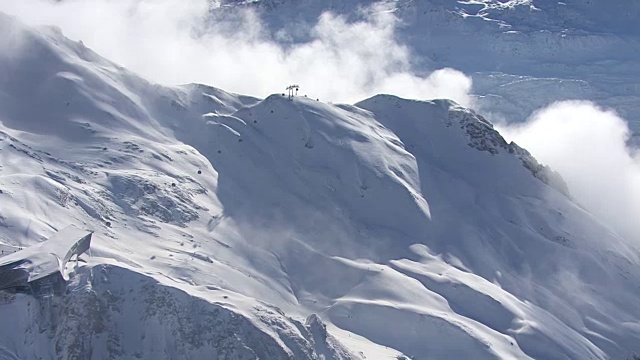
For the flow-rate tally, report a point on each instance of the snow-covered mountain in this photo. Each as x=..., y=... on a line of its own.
x=522, y=54
x=232, y=227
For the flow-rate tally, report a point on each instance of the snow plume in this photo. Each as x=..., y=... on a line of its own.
x=587, y=145
x=176, y=41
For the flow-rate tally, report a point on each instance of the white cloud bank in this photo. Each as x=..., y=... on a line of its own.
x=175, y=41
x=587, y=145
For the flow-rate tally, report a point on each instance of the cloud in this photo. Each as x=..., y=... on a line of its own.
x=176, y=41
x=587, y=145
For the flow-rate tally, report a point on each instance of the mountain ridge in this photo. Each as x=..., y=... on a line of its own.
x=541, y=51
x=373, y=223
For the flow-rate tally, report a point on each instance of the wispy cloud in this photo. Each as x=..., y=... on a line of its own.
x=588, y=146
x=176, y=41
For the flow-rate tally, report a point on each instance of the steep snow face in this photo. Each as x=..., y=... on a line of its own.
x=233, y=227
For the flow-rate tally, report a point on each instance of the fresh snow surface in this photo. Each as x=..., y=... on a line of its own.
x=230, y=227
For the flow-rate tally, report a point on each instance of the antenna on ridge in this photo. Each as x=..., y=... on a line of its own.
x=291, y=89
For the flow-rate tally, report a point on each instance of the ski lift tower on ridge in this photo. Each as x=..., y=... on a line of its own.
x=291, y=89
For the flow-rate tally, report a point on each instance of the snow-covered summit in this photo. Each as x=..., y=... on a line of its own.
x=522, y=54
x=232, y=227
x=479, y=133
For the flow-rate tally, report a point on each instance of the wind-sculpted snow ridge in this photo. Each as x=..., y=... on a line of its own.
x=232, y=227
x=482, y=136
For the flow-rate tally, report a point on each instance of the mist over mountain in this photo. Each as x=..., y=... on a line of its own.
x=511, y=49
x=376, y=214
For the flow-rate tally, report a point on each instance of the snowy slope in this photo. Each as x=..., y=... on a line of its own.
x=537, y=50
x=233, y=227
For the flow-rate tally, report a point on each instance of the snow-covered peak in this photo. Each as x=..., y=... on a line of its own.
x=232, y=227
x=477, y=132
x=538, y=50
